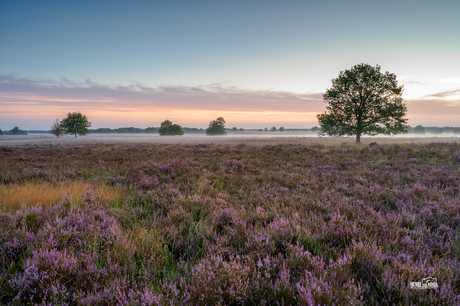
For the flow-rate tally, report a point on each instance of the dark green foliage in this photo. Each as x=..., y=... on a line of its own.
x=315, y=129
x=362, y=100
x=281, y=129
x=216, y=127
x=164, y=127
x=273, y=129
x=75, y=123
x=419, y=129
x=234, y=129
x=174, y=129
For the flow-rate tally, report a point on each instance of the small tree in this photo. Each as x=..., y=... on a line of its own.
x=419, y=129
x=164, y=127
x=281, y=129
x=266, y=129
x=273, y=129
x=174, y=129
x=315, y=129
x=56, y=128
x=260, y=130
x=15, y=131
x=241, y=130
x=216, y=127
x=363, y=100
x=75, y=123
x=1, y=132
x=234, y=129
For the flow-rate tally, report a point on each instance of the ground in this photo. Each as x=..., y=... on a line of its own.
x=286, y=220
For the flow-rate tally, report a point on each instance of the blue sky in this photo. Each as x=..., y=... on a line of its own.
x=256, y=63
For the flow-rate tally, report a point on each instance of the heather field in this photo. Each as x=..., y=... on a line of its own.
x=253, y=223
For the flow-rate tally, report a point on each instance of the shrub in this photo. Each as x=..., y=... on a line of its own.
x=164, y=127
x=56, y=129
x=216, y=127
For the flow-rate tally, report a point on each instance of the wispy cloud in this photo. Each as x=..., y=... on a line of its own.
x=414, y=82
x=444, y=94
x=454, y=80
x=138, y=96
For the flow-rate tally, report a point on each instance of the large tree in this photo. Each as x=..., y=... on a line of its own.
x=75, y=123
x=216, y=127
x=362, y=100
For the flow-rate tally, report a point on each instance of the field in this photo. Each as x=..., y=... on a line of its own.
x=305, y=222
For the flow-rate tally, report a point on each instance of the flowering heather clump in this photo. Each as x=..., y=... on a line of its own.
x=210, y=224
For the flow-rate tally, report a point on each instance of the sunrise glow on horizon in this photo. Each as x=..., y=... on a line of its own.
x=256, y=63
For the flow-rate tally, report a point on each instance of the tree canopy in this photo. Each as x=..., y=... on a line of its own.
x=75, y=123
x=164, y=127
x=216, y=127
x=174, y=129
x=362, y=100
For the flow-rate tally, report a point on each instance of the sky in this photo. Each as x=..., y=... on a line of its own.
x=257, y=63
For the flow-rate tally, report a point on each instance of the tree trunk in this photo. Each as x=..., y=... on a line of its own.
x=359, y=129
x=75, y=135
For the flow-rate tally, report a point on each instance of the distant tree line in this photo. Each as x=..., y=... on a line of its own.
x=124, y=130
x=14, y=131
x=152, y=130
x=419, y=129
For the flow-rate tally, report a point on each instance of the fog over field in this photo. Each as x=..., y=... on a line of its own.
x=253, y=137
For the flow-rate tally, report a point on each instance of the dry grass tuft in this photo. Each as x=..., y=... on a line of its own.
x=15, y=196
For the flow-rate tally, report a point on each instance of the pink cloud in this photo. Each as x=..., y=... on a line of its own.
x=137, y=104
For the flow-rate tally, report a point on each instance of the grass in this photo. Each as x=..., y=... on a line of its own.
x=16, y=196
